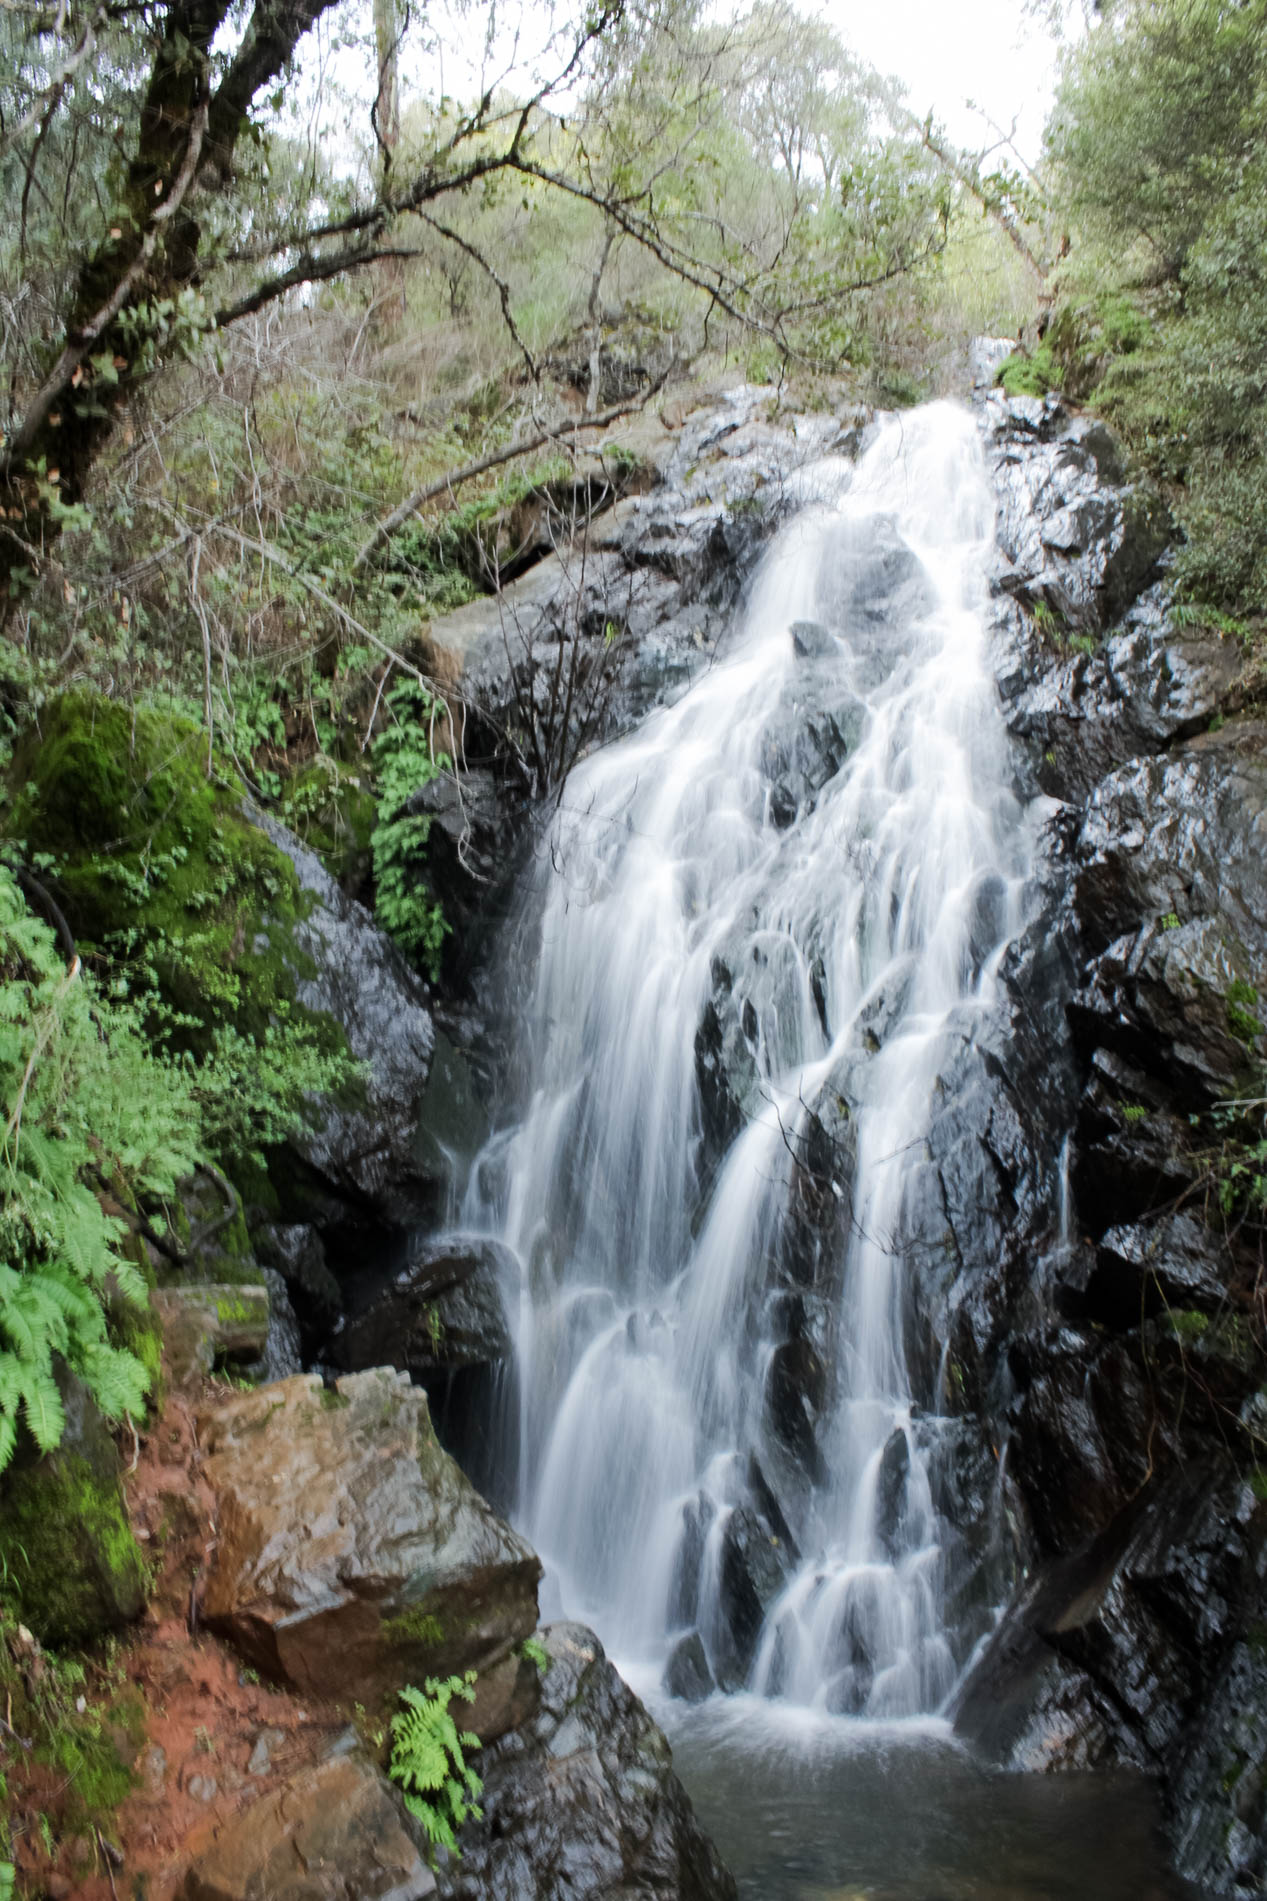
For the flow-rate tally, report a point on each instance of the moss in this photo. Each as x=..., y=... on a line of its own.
x=332, y=810
x=82, y=1721
x=1187, y=1324
x=414, y=1626
x=1029, y=373
x=88, y=1755
x=1240, y=1002
x=73, y=1567
x=157, y=866
x=138, y=1331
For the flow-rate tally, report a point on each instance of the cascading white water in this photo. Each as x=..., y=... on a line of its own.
x=850, y=935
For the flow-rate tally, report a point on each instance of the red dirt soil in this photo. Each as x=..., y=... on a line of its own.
x=204, y=1711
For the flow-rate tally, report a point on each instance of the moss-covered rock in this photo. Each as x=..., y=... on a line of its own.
x=67, y=1552
x=154, y=862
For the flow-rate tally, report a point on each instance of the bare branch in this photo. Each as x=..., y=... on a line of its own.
x=469, y=470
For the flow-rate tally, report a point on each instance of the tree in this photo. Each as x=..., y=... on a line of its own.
x=1159, y=160
x=156, y=117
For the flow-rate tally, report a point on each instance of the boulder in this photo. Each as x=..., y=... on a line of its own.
x=354, y=1556
x=583, y=1801
x=686, y=1674
x=753, y=1571
x=330, y=1833
x=365, y=1153
x=71, y=1566
x=444, y=1310
x=206, y=1325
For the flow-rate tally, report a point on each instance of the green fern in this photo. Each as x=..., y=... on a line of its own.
x=82, y=1100
x=428, y=1760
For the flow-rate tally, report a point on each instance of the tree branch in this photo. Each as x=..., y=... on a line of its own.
x=469, y=470
x=81, y=341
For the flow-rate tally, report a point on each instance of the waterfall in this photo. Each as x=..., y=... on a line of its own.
x=752, y=952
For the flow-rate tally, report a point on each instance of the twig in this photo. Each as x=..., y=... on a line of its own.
x=469, y=470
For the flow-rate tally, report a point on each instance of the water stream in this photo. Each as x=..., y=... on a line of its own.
x=718, y=1431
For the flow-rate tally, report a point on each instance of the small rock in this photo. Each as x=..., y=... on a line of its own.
x=202, y=1788
x=262, y=1755
x=687, y=1674
x=154, y=1769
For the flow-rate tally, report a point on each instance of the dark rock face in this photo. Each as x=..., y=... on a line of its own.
x=588, y=641
x=582, y=1802
x=363, y=1160
x=1116, y=1358
x=687, y=1675
x=442, y=1318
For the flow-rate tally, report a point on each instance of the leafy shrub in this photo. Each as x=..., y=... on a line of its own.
x=84, y=1102
x=428, y=1760
x=405, y=762
x=1029, y=373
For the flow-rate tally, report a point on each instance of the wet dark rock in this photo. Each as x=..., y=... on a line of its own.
x=582, y=1800
x=470, y=850
x=796, y=1389
x=890, y=1504
x=697, y=1515
x=630, y=614
x=452, y=1123
x=363, y=1157
x=686, y=1674
x=1175, y=1262
x=1068, y=536
x=295, y=1251
x=445, y=1309
x=752, y=1572
x=812, y=641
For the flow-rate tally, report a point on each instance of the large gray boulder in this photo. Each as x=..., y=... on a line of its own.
x=354, y=1557
x=582, y=1804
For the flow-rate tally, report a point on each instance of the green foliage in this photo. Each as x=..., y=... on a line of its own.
x=1238, y=1169
x=1240, y=1002
x=533, y=1651
x=428, y=1759
x=1160, y=155
x=84, y=1102
x=73, y=1565
x=80, y=1719
x=1029, y=373
x=405, y=761
x=192, y=909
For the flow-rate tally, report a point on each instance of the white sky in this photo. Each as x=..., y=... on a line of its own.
x=990, y=52
x=987, y=51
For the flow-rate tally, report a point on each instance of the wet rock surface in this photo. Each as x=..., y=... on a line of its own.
x=582, y=1802
x=354, y=1556
x=1070, y=1300
x=1117, y=1354
x=362, y=1166
x=625, y=615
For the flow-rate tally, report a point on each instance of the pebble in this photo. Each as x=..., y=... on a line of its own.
x=262, y=1755
x=202, y=1788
